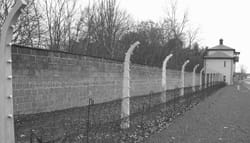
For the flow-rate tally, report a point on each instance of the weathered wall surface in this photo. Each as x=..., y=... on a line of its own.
x=47, y=80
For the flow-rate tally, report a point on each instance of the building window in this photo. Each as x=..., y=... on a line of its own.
x=225, y=63
x=224, y=78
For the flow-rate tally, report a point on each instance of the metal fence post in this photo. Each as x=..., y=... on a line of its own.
x=183, y=77
x=194, y=71
x=164, y=78
x=142, y=113
x=125, y=111
x=6, y=101
x=91, y=102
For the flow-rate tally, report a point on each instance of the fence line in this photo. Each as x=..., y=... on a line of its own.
x=101, y=122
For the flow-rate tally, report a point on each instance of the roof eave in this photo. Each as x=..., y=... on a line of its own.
x=237, y=52
x=221, y=50
x=218, y=57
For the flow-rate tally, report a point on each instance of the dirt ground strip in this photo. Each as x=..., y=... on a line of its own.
x=222, y=118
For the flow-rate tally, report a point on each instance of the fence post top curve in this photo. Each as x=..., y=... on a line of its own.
x=185, y=63
x=6, y=31
x=170, y=55
x=132, y=47
x=167, y=58
x=196, y=66
x=130, y=51
x=14, y=13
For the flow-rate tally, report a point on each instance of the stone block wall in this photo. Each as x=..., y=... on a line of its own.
x=47, y=80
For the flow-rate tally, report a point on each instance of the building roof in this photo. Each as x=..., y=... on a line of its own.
x=218, y=55
x=221, y=47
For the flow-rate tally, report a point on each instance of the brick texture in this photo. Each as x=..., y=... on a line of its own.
x=46, y=80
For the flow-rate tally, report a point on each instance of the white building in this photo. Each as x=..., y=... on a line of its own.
x=221, y=59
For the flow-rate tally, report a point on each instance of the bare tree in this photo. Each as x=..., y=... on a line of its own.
x=192, y=36
x=40, y=30
x=26, y=29
x=173, y=26
x=5, y=6
x=104, y=23
x=59, y=22
x=85, y=27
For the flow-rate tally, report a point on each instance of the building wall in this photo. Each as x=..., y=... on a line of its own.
x=47, y=80
x=230, y=53
x=233, y=69
x=217, y=66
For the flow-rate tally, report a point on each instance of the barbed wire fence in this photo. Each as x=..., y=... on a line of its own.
x=101, y=122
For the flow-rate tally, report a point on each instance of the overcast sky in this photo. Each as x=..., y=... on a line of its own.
x=227, y=19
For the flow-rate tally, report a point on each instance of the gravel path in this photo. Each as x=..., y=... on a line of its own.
x=221, y=118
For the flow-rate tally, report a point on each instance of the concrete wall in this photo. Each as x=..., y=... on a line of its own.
x=47, y=80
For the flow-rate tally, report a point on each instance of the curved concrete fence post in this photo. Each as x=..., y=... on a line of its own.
x=193, y=79
x=164, y=78
x=206, y=80
x=220, y=78
x=6, y=97
x=183, y=77
x=201, y=78
x=213, y=79
x=125, y=110
x=210, y=80
x=213, y=83
x=216, y=78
